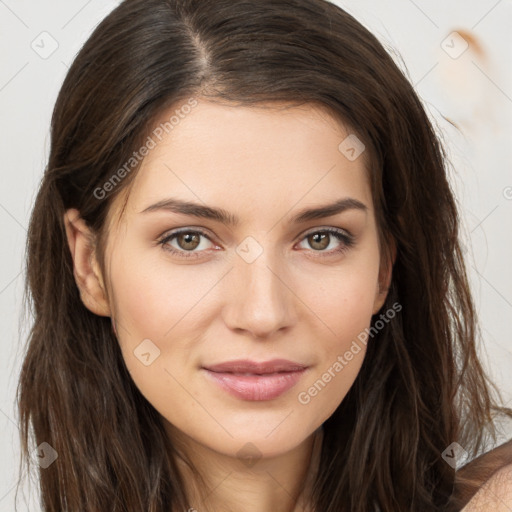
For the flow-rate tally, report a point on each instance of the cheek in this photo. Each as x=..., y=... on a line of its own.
x=155, y=310
x=152, y=298
x=167, y=305
x=343, y=304
x=342, y=298
x=341, y=349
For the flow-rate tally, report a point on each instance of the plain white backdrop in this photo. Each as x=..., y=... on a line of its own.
x=464, y=77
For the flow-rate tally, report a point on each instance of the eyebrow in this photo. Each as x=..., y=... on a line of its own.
x=225, y=217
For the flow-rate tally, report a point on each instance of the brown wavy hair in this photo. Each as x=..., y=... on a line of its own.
x=421, y=386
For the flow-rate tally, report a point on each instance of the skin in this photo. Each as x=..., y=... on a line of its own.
x=495, y=494
x=299, y=300
x=492, y=472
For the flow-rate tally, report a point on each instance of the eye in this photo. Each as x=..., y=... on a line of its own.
x=320, y=240
x=187, y=241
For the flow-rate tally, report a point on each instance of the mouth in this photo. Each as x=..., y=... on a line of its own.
x=253, y=381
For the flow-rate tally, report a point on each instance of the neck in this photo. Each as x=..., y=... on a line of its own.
x=253, y=485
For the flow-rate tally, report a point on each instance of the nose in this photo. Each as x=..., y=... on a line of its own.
x=260, y=301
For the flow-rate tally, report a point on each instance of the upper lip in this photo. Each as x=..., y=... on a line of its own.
x=261, y=368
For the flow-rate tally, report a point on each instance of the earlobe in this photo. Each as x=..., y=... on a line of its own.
x=385, y=276
x=85, y=267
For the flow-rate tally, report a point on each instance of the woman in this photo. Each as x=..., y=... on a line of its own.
x=204, y=341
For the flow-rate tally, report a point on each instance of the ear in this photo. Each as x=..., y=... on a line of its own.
x=385, y=275
x=85, y=266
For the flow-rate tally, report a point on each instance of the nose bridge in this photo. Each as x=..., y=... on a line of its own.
x=259, y=301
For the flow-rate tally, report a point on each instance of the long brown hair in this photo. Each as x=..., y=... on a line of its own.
x=421, y=386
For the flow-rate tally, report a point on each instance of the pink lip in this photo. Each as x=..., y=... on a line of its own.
x=254, y=381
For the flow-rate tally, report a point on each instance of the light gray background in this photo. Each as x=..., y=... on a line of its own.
x=473, y=90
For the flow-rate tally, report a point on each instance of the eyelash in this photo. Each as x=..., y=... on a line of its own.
x=346, y=238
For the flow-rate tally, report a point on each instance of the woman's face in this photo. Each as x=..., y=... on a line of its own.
x=235, y=330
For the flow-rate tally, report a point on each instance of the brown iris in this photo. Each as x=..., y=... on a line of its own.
x=322, y=239
x=191, y=240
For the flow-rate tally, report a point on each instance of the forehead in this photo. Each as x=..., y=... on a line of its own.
x=249, y=157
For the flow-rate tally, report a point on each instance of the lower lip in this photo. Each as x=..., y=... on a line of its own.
x=256, y=387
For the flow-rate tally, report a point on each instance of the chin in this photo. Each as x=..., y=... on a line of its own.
x=260, y=439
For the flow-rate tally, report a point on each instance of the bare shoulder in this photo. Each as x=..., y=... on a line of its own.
x=495, y=494
x=486, y=478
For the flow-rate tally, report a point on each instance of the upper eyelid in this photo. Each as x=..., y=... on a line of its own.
x=325, y=228
x=177, y=231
